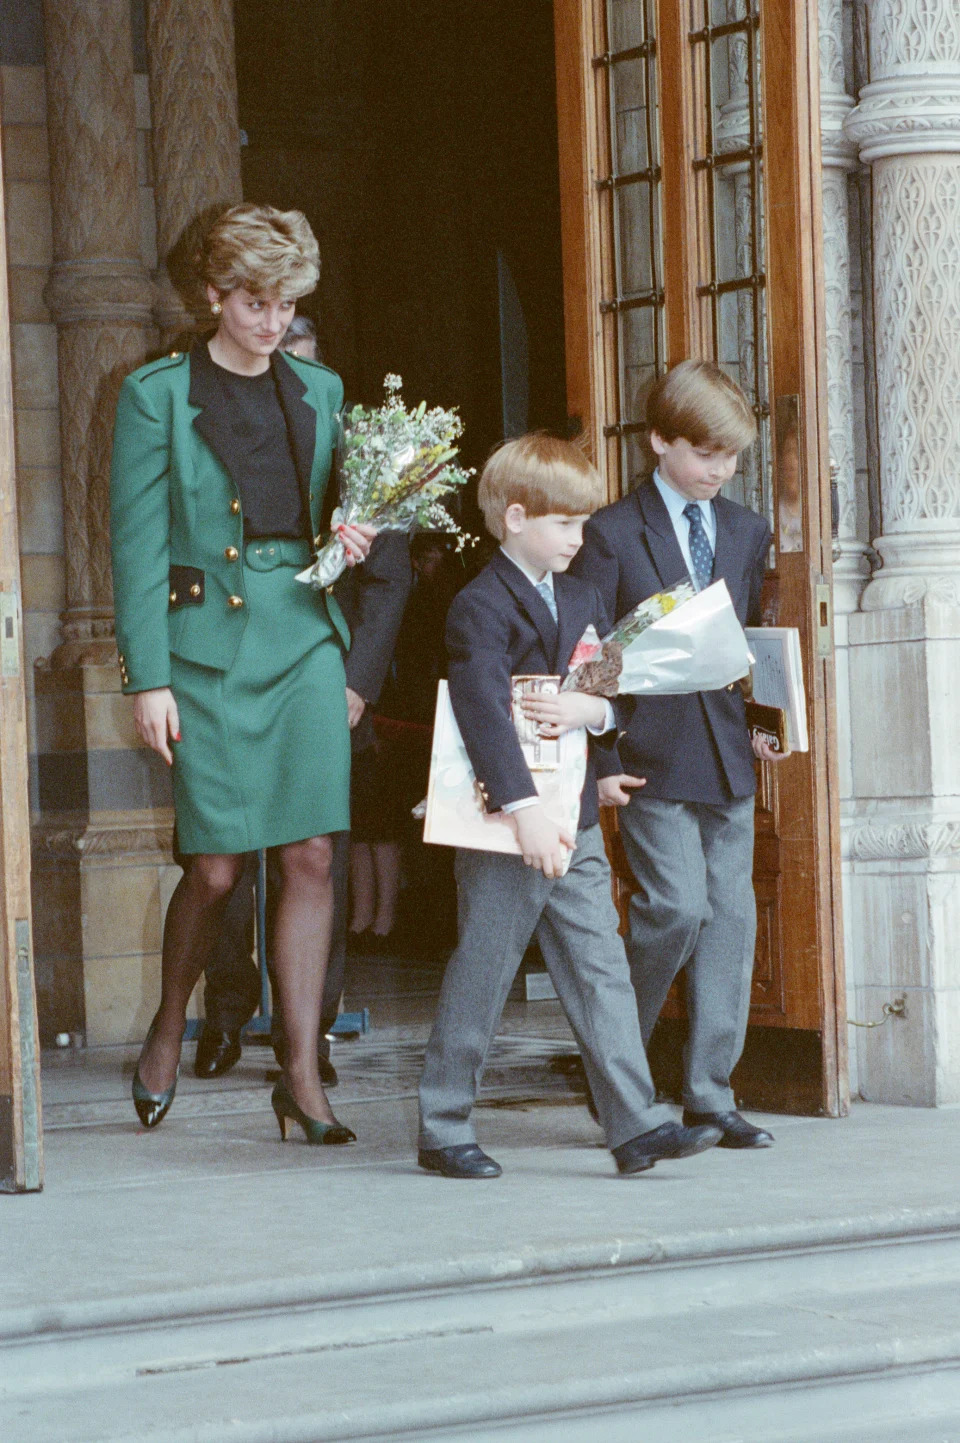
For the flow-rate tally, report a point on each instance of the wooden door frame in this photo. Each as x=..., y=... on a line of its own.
x=21, y=1146
x=798, y=367
x=795, y=288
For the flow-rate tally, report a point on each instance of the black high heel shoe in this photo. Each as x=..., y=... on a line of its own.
x=286, y=1109
x=152, y=1107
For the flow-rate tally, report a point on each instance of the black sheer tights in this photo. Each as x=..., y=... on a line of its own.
x=303, y=919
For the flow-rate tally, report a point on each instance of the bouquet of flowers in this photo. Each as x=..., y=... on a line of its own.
x=676, y=642
x=395, y=465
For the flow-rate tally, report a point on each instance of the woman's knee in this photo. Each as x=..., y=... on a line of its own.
x=312, y=858
x=215, y=875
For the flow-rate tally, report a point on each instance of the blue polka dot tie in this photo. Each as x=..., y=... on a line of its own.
x=700, y=552
x=546, y=591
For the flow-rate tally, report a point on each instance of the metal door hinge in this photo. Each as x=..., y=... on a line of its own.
x=823, y=619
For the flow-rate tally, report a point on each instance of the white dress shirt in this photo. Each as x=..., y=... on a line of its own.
x=675, y=503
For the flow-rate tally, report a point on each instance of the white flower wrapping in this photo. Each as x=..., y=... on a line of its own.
x=698, y=644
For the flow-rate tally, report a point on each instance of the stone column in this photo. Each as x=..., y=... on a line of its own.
x=98, y=292
x=101, y=843
x=851, y=567
x=902, y=832
x=196, y=141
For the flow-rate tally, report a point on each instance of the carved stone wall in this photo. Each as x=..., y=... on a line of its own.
x=196, y=138
x=98, y=291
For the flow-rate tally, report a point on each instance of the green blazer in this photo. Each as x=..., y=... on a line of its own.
x=174, y=504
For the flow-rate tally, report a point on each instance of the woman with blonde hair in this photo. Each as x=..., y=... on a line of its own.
x=220, y=463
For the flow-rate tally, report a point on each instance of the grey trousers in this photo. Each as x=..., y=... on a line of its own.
x=694, y=910
x=501, y=903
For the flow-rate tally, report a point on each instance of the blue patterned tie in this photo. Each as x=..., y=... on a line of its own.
x=700, y=552
x=546, y=591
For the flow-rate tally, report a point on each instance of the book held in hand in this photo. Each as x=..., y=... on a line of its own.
x=541, y=754
x=456, y=814
x=777, y=678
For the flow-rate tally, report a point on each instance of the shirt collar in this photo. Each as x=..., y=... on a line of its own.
x=675, y=503
x=531, y=577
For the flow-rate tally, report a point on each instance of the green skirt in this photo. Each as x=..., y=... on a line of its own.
x=264, y=755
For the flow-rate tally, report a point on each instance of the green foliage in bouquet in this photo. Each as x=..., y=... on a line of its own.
x=396, y=465
x=647, y=612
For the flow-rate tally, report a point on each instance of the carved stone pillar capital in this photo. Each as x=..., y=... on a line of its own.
x=835, y=104
x=907, y=126
x=103, y=290
x=912, y=104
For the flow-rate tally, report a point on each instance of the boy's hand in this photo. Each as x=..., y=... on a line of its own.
x=542, y=842
x=765, y=751
x=616, y=791
x=564, y=711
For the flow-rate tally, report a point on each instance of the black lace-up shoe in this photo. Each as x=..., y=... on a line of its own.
x=668, y=1140
x=464, y=1160
x=736, y=1130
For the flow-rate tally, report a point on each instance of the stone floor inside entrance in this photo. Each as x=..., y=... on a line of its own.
x=90, y=1087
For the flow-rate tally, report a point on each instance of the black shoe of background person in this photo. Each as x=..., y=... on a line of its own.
x=217, y=1052
x=466, y=1160
x=326, y=1069
x=667, y=1141
x=737, y=1131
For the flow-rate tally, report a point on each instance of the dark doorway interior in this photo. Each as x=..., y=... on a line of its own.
x=420, y=139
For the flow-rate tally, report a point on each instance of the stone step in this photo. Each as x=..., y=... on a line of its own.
x=703, y=1338
x=642, y=1277
x=842, y=1369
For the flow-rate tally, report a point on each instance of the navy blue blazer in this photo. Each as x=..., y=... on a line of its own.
x=498, y=627
x=690, y=748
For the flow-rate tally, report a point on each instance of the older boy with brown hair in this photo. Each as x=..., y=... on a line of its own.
x=688, y=834
x=523, y=615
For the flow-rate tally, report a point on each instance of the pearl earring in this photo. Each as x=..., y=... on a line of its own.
x=216, y=308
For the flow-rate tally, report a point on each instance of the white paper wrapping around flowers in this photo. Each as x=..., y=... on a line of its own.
x=456, y=816
x=699, y=646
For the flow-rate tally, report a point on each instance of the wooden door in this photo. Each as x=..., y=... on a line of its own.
x=21, y=1162
x=690, y=164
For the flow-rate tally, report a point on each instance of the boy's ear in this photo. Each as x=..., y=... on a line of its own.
x=514, y=517
x=657, y=443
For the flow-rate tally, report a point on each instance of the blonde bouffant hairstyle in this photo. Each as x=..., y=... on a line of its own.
x=545, y=475
x=264, y=250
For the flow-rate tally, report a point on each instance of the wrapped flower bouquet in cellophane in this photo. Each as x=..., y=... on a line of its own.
x=677, y=641
x=395, y=466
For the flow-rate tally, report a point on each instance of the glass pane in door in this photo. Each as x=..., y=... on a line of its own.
x=632, y=301
x=728, y=168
